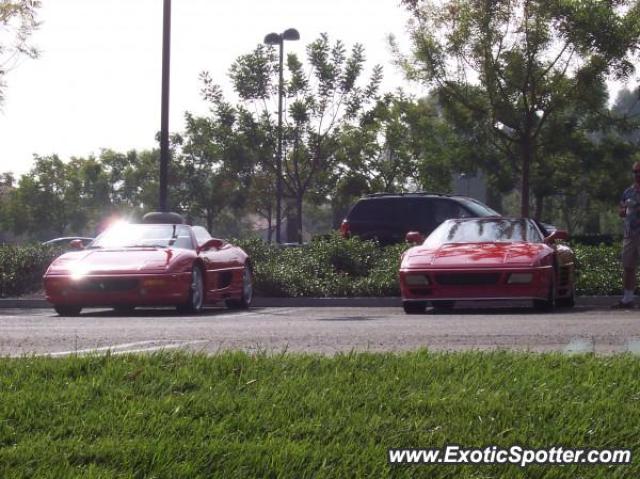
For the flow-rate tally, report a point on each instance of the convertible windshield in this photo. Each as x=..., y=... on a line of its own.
x=482, y=230
x=144, y=235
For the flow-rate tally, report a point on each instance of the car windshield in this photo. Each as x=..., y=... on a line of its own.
x=482, y=230
x=143, y=235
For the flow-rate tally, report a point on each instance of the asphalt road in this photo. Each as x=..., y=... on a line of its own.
x=324, y=330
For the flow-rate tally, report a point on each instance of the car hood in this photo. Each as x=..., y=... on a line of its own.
x=481, y=255
x=115, y=261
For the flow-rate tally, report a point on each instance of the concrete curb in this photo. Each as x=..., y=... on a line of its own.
x=268, y=302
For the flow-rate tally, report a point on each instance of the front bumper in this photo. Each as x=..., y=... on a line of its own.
x=113, y=290
x=470, y=284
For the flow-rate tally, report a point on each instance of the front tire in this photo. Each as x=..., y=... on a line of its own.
x=196, y=293
x=414, y=307
x=568, y=302
x=67, y=309
x=546, y=305
x=247, y=292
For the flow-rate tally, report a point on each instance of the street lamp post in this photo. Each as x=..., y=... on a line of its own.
x=278, y=39
x=164, y=120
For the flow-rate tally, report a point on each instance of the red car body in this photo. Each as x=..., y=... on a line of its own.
x=445, y=269
x=188, y=269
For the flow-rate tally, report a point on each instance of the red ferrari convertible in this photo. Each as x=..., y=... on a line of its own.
x=131, y=265
x=487, y=259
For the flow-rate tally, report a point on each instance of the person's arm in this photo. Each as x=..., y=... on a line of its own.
x=622, y=209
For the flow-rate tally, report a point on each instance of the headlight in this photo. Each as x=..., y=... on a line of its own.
x=520, y=278
x=416, y=280
x=78, y=271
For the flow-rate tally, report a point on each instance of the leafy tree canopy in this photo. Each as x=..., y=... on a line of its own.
x=507, y=67
x=17, y=22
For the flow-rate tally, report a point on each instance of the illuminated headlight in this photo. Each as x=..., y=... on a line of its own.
x=520, y=278
x=78, y=272
x=416, y=280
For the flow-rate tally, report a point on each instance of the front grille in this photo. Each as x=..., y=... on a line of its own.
x=105, y=285
x=467, y=279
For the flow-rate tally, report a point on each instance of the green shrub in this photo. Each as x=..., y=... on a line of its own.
x=331, y=266
x=599, y=269
x=22, y=267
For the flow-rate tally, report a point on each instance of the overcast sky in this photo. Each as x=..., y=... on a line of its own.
x=97, y=82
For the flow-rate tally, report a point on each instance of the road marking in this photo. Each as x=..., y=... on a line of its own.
x=579, y=346
x=125, y=347
x=160, y=348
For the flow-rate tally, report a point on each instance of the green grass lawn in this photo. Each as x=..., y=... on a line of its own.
x=239, y=415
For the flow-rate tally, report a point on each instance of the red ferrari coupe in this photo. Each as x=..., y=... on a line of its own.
x=131, y=265
x=487, y=259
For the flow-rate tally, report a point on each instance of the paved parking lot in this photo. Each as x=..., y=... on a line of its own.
x=325, y=330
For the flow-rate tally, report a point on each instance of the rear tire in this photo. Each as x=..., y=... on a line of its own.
x=568, y=302
x=196, y=293
x=67, y=310
x=414, y=307
x=443, y=305
x=247, y=292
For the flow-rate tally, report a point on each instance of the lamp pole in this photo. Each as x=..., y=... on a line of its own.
x=278, y=39
x=164, y=114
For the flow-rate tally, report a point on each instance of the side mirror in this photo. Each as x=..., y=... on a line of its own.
x=557, y=235
x=76, y=244
x=211, y=243
x=414, y=237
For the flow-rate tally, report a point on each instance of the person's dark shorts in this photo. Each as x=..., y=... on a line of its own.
x=630, y=251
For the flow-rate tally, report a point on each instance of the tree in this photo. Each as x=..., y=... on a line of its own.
x=219, y=157
x=401, y=143
x=17, y=22
x=511, y=66
x=319, y=105
x=47, y=201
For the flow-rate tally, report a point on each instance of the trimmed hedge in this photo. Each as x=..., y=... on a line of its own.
x=22, y=267
x=330, y=266
x=599, y=269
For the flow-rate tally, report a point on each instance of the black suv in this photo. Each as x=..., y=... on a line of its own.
x=387, y=217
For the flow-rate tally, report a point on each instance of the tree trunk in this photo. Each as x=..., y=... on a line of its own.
x=526, y=167
x=299, y=218
x=209, y=221
x=269, y=226
x=539, y=207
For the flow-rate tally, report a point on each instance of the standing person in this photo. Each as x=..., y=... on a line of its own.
x=629, y=209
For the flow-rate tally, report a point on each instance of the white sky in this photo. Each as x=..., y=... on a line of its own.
x=97, y=82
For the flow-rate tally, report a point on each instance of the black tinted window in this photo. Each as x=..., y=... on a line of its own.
x=418, y=214
x=373, y=210
x=425, y=214
x=447, y=209
x=478, y=209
